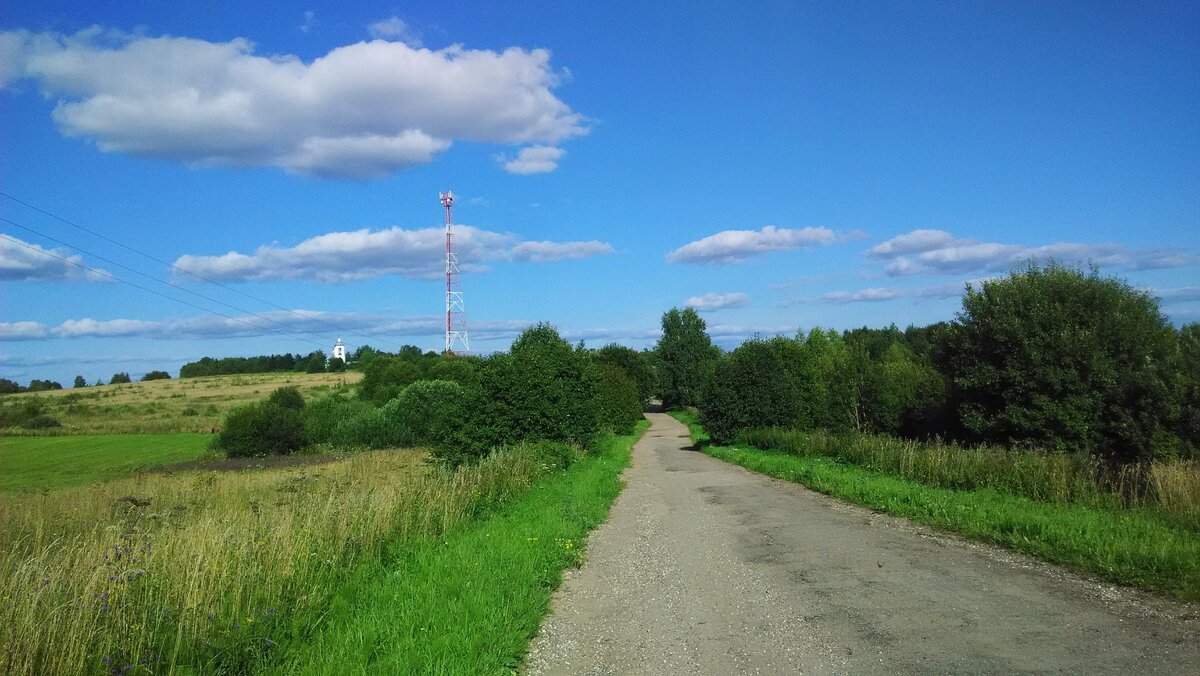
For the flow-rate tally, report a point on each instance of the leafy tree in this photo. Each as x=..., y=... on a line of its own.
x=905, y=394
x=43, y=385
x=336, y=365
x=685, y=356
x=751, y=387
x=10, y=386
x=1188, y=387
x=385, y=376
x=1057, y=358
x=637, y=365
x=314, y=362
x=120, y=378
x=99, y=382
x=154, y=375
x=80, y=381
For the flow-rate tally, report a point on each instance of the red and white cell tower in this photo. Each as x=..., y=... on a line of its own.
x=456, y=311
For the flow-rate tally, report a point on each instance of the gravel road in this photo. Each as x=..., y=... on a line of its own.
x=704, y=567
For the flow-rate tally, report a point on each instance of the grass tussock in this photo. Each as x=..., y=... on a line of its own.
x=213, y=572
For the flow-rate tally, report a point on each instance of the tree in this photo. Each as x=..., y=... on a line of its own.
x=636, y=365
x=618, y=406
x=1188, y=387
x=336, y=365
x=685, y=357
x=10, y=386
x=43, y=385
x=120, y=378
x=80, y=381
x=156, y=375
x=1056, y=358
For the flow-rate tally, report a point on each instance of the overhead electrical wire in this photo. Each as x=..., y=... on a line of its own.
x=147, y=290
x=177, y=269
x=293, y=329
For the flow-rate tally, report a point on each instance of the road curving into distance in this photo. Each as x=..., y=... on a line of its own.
x=704, y=567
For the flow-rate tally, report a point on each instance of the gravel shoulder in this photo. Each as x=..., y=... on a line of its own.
x=704, y=567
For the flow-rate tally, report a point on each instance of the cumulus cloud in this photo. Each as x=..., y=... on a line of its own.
x=364, y=254
x=711, y=302
x=23, y=261
x=361, y=111
x=395, y=28
x=735, y=246
x=937, y=252
x=533, y=160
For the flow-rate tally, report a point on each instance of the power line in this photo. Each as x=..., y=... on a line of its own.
x=147, y=290
x=173, y=267
x=294, y=329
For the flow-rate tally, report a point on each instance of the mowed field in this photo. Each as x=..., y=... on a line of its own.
x=193, y=405
x=39, y=463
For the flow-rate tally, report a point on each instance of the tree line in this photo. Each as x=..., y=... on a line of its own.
x=1050, y=357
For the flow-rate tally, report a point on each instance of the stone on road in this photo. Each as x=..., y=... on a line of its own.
x=703, y=567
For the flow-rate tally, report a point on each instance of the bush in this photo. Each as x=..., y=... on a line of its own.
x=426, y=412
x=542, y=389
x=322, y=417
x=29, y=413
x=152, y=375
x=40, y=422
x=119, y=378
x=369, y=427
x=265, y=428
x=618, y=405
x=750, y=388
x=639, y=366
x=287, y=397
x=1052, y=357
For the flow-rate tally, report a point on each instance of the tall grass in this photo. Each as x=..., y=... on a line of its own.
x=1172, y=487
x=211, y=572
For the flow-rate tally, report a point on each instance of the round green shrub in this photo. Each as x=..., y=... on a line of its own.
x=261, y=429
x=287, y=397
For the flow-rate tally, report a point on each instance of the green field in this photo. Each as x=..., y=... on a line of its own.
x=39, y=463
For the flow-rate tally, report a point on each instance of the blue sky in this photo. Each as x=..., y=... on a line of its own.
x=776, y=165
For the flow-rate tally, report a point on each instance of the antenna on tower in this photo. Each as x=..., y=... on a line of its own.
x=456, y=311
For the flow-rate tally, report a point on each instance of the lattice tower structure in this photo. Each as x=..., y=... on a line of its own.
x=456, y=310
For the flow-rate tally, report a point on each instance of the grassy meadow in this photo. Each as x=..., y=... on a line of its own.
x=191, y=405
x=344, y=565
x=43, y=462
x=1038, y=506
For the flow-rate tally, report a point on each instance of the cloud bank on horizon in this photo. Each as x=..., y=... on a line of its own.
x=361, y=111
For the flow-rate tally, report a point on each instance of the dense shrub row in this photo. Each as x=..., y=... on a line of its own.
x=542, y=390
x=1049, y=358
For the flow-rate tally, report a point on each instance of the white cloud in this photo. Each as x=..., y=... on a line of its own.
x=735, y=246
x=395, y=28
x=877, y=294
x=310, y=21
x=913, y=242
x=545, y=252
x=1182, y=293
x=364, y=254
x=711, y=302
x=23, y=331
x=360, y=111
x=533, y=160
x=937, y=252
x=23, y=261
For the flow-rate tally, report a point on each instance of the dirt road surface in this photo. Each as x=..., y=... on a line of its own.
x=706, y=568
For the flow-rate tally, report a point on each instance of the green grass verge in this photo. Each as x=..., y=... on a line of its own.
x=1121, y=545
x=470, y=601
x=51, y=462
